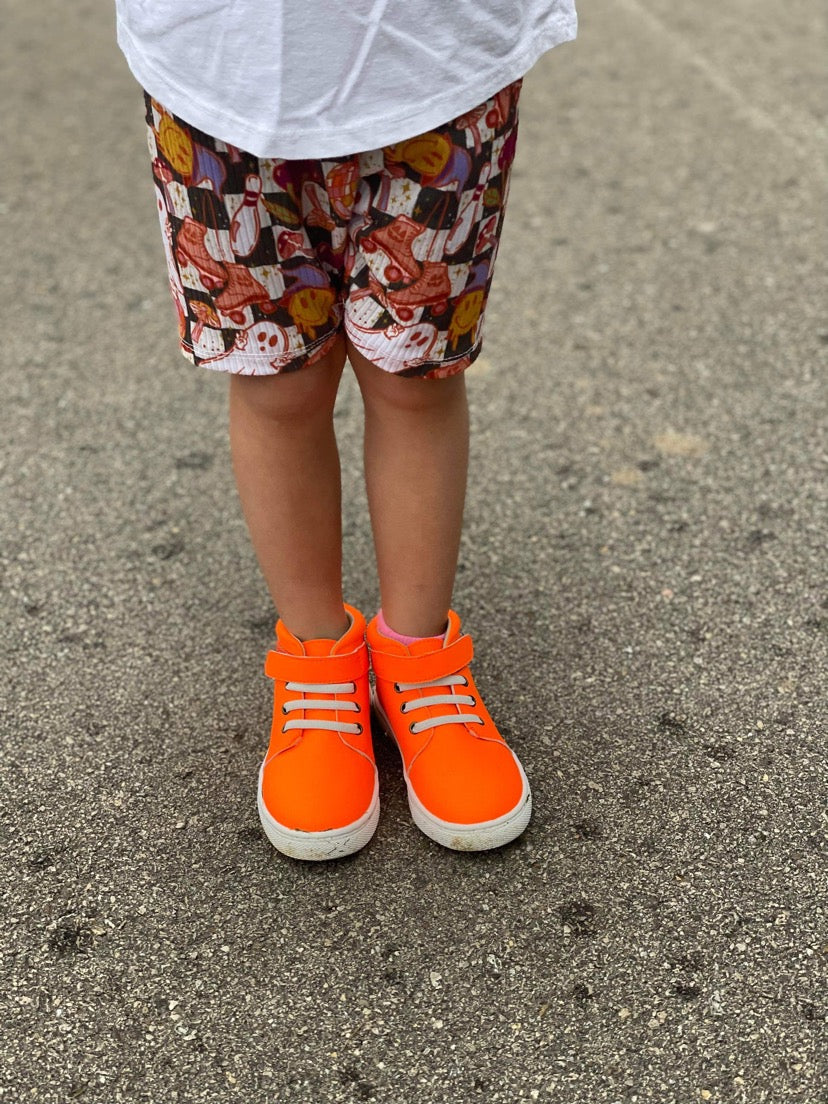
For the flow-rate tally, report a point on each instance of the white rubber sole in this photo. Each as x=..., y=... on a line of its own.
x=482, y=836
x=320, y=846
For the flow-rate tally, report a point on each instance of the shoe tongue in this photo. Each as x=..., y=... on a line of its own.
x=320, y=647
x=425, y=645
x=435, y=643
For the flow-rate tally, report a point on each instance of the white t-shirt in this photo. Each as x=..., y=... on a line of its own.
x=326, y=78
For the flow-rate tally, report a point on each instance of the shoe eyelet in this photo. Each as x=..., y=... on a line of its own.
x=403, y=707
x=411, y=728
x=284, y=711
x=359, y=729
x=397, y=688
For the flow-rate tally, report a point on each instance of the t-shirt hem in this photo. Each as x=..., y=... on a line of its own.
x=372, y=134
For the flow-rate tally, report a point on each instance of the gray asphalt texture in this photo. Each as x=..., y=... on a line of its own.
x=643, y=572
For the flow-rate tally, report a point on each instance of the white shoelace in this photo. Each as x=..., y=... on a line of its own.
x=438, y=699
x=308, y=688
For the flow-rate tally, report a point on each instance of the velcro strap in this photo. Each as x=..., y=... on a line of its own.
x=331, y=668
x=423, y=668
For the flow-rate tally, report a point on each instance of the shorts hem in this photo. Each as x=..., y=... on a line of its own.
x=428, y=369
x=454, y=366
x=253, y=364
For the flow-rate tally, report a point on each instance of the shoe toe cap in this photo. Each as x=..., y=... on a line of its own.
x=308, y=792
x=470, y=789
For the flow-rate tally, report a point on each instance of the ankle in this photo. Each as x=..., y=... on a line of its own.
x=318, y=628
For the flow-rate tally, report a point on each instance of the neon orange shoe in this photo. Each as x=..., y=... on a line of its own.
x=318, y=786
x=466, y=787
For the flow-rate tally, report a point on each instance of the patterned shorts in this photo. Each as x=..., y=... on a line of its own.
x=269, y=259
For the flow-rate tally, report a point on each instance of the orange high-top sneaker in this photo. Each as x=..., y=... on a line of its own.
x=318, y=786
x=466, y=789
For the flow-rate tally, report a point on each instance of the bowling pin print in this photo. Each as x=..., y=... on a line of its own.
x=246, y=225
x=468, y=214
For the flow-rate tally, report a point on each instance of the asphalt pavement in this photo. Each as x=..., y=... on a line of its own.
x=643, y=570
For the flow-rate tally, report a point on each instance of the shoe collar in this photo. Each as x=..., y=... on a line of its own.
x=350, y=640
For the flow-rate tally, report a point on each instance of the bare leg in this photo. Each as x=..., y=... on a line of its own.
x=286, y=465
x=416, y=463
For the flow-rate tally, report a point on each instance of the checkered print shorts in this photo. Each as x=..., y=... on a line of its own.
x=270, y=259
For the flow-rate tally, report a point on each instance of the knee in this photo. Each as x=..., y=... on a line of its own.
x=291, y=397
x=403, y=394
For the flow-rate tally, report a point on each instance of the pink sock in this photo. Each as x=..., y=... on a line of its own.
x=384, y=628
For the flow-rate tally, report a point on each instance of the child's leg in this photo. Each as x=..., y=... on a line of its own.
x=261, y=299
x=318, y=791
x=416, y=462
x=286, y=465
x=423, y=249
